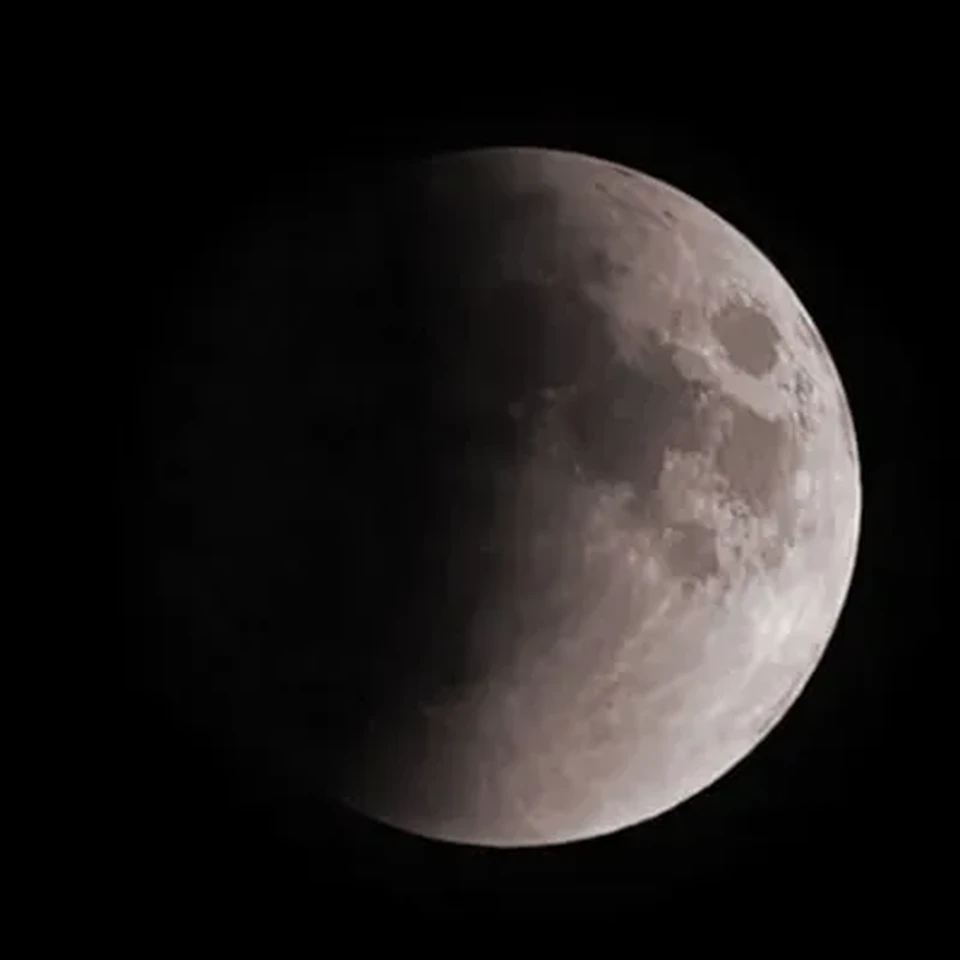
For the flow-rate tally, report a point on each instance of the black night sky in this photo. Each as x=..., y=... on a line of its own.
x=827, y=804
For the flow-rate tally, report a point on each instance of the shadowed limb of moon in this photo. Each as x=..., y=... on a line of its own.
x=590, y=492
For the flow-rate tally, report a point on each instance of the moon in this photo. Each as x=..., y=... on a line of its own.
x=604, y=531
x=650, y=481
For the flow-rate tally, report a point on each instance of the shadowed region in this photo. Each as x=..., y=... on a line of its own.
x=496, y=341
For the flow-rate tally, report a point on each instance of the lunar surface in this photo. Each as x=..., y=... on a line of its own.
x=596, y=504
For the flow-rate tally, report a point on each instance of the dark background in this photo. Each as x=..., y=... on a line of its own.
x=829, y=805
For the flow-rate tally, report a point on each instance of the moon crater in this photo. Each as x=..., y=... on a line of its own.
x=748, y=336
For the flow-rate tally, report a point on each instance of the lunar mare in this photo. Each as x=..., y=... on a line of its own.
x=642, y=512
